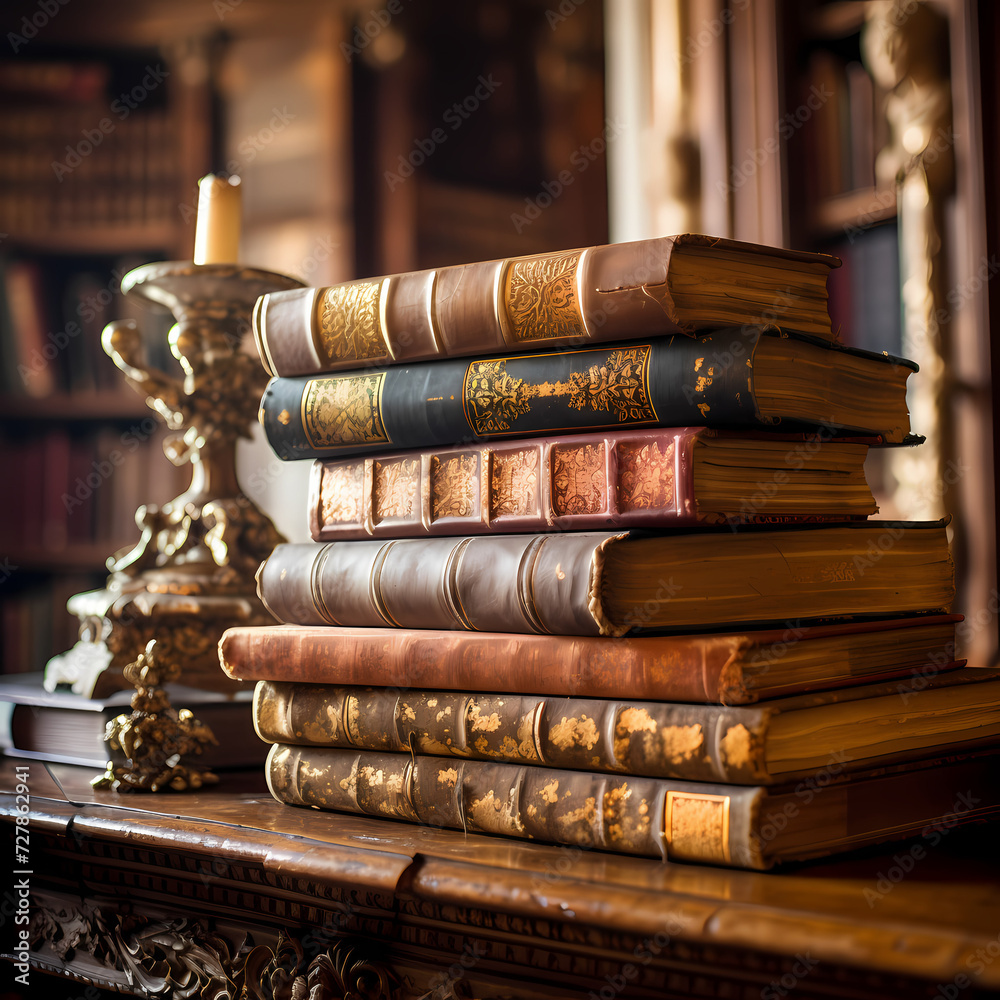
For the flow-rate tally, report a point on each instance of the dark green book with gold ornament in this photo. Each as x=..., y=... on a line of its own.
x=751, y=376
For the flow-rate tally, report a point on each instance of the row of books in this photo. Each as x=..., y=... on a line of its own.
x=51, y=321
x=536, y=606
x=34, y=625
x=842, y=109
x=84, y=145
x=81, y=488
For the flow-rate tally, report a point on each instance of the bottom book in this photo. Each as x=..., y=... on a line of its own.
x=66, y=728
x=742, y=827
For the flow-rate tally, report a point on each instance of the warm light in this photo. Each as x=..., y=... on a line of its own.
x=217, y=231
x=914, y=139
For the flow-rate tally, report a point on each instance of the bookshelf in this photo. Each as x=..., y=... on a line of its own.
x=887, y=172
x=92, y=175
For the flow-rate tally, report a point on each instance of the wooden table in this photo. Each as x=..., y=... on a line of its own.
x=226, y=888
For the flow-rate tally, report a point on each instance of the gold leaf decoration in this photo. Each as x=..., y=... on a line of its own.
x=395, y=489
x=341, y=411
x=514, y=483
x=578, y=479
x=541, y=297
x=454, y=486
x=341, y=493
x=618, y=386
x=348, y=323
x=645, y=476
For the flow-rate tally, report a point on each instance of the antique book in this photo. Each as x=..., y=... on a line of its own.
x=67, y=728
x=674, y=284
x=736, y=668
x=864, y=726
x=738, y=826
x=602, y=583
x=746, y=377
x=678, y=476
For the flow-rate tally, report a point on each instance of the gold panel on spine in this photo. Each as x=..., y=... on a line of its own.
x=341, y=493
x=454, y=486
x=342, y=411
x=696, y=827
x=645, y=476
x=617, y=383
x=541, y=297
x=348, y=326
x=579, y=481
x=396, y=489
x=514, y=483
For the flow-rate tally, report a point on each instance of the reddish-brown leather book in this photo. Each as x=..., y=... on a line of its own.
x=673, y=284
x=657, y=478
x=602, y=583
x=740, y=827
x=869, y=725
x=733, y=668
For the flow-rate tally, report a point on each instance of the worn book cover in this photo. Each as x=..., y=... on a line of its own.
x=674, y=476
x=778, y=740
x=741, y=827
x=746, y=377
x=726, y=668
x=673, y=284
x=603, y=583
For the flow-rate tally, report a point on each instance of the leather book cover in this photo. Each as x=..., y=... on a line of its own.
x=734, y=668
x=605, y=583
x=623, y=736
x=711, y=823
x=572, y=482
x=675, y=381
x=566, y=298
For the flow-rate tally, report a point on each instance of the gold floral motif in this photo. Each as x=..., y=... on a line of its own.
x=341, y=493
x=514, y=483
x=454, y=486
x=541, y=297
x=341, y=411
x=619, y=386
x=348, y=323
x=495, y=399
x=645, y=476
x=578, y=479
x=395, y=489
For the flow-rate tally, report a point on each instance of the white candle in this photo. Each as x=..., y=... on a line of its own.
x=217, y=230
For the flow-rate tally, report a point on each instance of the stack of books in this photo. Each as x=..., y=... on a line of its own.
x=593, y=563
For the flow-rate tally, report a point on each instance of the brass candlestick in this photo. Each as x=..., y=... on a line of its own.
x=191, y=574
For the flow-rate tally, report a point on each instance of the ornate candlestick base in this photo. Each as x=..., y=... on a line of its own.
x=191, y=574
